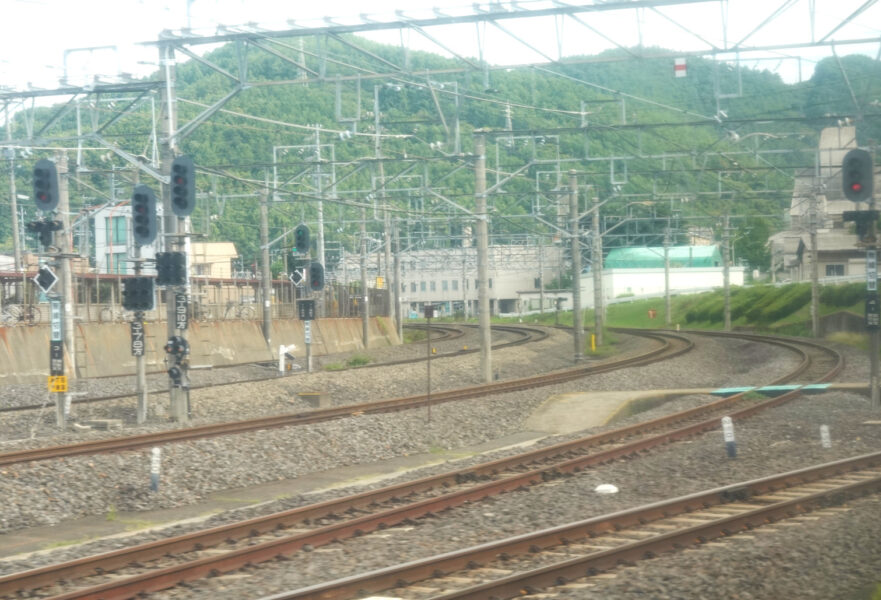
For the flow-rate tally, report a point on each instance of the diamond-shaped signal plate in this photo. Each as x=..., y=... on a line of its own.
x=45, y=279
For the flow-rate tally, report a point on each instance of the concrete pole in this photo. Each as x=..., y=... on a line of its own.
x=365, y=309
x=577, y=315
x=597, y=270
x=668, y=318
x=64, y=242
x=483, y=312
x=265, y=271
x=399, y=316
x=465, y=280
x=726, y=274
x=140, y=361
x=13, y=204
x=815, y=268
x=874, y=337
x=541, y=279
x=177, y=399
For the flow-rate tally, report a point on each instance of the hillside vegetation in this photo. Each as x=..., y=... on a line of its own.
x=634, y=132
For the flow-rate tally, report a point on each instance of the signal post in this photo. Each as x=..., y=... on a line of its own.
x=173, y=273
x=50, y=196
x=857, y=178
x=313, y=273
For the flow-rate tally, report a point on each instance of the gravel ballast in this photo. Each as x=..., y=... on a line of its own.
x=779, y=440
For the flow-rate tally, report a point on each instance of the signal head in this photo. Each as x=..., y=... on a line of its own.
x=183, y=186
x=45, y=185
x=857, y=175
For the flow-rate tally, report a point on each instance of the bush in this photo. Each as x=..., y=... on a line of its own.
x=842, y=296
x=711, y=309
x=790, y=299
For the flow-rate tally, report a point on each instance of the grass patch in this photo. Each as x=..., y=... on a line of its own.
x=65, y=543
x=412, y=336
x=358, y=360
x=334, y=366
x=856, y=340
x=112, y=515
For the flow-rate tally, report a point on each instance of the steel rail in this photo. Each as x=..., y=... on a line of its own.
x=452, y=332
x=533, y=476
x=191, y=433
x=756, y=514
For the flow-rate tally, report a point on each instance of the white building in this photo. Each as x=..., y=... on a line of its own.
x=113, y=240
x=447, y=277
x=639, y=272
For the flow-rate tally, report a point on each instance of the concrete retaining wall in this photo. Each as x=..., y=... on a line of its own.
x=104, y=348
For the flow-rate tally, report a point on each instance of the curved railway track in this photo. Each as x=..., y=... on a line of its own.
x=556, y=557
x=670, y=345
x=447, y=333
x=354, y=515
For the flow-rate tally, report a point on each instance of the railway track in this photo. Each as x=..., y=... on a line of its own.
x=569, y=554
x=445, y=333
x=314, y=525
x=670, y=345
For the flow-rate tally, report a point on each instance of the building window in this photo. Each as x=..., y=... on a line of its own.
x=445, y=285
x=116, y=263
x=115, y=229
x=834, y=270
x=433, y=286
x=413, y=286
x=422, y=286
x=490, y=283
x=536, y=283
x=455, y=285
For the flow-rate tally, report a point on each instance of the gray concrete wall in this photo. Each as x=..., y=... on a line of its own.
x=104, y=348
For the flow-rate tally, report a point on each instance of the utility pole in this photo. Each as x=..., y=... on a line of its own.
x=815, y=267
x=265, y=271
x=483, y=311
x=541, y=279
x=365, y=309
x=399, y=316
x=64, y=243
x=597, y=270
x=667, y=309
x=13, y=204
x=726, y=273
x=172, y=223
x=577, y=316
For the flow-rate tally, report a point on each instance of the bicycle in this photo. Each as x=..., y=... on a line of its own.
x=19, y=314
x=239, y=311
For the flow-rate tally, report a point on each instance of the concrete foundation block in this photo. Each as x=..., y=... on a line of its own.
x=315, y=399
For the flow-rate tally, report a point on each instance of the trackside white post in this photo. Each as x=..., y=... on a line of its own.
x=825, y=438
x=728, y=436
x=155, y=465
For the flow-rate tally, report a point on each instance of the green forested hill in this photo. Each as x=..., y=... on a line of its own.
x=630, y=128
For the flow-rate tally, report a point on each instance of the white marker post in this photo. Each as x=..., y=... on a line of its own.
x=728, y=436
x=825, y=438
x=155, y=464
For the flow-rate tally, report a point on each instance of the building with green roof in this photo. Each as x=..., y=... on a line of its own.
x=653, y=257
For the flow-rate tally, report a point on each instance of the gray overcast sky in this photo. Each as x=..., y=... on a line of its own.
x=34, y=34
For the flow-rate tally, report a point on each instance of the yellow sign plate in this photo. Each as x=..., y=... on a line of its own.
x=57, y=383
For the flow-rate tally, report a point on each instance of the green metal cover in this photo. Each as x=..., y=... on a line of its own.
x=653, y=257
